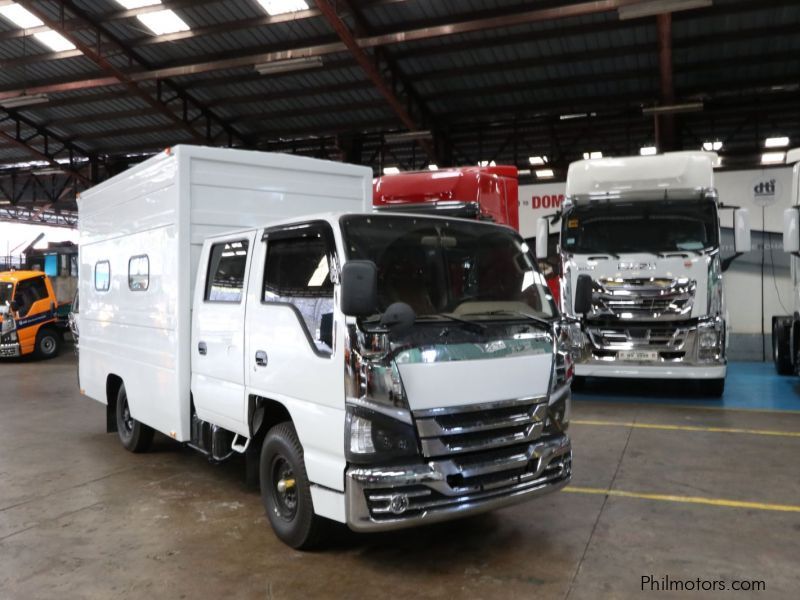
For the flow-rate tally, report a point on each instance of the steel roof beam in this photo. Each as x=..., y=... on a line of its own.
x=189, y=105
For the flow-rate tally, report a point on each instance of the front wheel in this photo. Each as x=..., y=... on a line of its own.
x=48, y=343
x=285, y=489
x=134, y=435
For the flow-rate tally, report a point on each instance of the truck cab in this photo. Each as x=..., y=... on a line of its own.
x=29, y=315
x=645, y=232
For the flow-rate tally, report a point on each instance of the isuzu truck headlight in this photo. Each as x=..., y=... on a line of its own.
x=7, y=324
x=372, y=436
x=710, y=339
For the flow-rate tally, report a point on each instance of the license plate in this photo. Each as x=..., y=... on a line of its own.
x=638, y=355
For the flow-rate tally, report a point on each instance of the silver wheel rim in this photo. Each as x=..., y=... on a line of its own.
x=48, y=344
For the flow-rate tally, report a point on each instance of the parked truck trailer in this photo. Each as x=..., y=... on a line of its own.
x=378, y=370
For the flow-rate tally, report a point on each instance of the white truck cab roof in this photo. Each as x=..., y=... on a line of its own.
x=671, y=175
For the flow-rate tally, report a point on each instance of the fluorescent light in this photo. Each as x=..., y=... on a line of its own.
x=408, y=136
x=524, y=172
x=280, y=7
x=776, y=142
x=650, y=8
x=391, y=170
x=290, y=64
x=54, y=40
x=20, y=16
x=433, y=167
x=163, y=22
x=544, y=173
x=673, y=109
x=573, y=116
x=537, y=160
x=772, y=158
x=712, y=146
x=592, y=155
x=486, y=163
x=24, y=100
x=648, y=151
x=131, y=4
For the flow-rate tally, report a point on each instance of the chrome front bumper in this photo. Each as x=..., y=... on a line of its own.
x=394, y=497
x=9, y=350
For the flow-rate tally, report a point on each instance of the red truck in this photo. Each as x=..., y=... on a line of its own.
x=486, y=193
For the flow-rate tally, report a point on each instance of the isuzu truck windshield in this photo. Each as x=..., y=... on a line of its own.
x=444, y=266
x=653, y=227
x=6, y=292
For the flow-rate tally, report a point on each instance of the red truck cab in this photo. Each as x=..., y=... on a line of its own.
x=487, y=193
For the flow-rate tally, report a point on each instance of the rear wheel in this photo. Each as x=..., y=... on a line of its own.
x=713, y=387
x=782, y=345
x=48, y=343
x=286, y=491
x=134, y=435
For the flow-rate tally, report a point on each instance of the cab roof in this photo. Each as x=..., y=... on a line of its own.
x=15, y=276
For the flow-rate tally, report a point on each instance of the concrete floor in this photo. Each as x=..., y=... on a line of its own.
x=82, y=518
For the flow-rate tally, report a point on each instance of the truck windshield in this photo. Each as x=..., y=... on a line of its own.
x=647, y=226
x=6, y=292
x=449, y=266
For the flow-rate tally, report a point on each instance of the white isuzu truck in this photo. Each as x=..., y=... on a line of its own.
x=376, y=370
x=644, y=231
x=786, y=329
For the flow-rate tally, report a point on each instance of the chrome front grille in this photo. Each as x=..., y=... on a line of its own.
x=476, y=482
x=643, y=298
x=636, y=337
x=480, y=428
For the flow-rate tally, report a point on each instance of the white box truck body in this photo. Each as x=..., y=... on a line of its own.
x=645, y=231
x=376, y=370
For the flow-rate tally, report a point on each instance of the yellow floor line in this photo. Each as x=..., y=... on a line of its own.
x=636, y=425
x=685, y=499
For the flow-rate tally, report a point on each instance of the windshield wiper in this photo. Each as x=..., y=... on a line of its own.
x=468, y=325
x=543, y=322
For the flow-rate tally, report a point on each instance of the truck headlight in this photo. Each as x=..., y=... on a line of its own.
x=371, y=437
x=710, y=339
x=7, y=324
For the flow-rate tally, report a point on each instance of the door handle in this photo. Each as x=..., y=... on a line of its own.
x=261, y=358
x=202, y=348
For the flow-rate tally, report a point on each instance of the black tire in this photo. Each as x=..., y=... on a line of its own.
x=782, y=345
x=713, y=387
x=291, y=511
x=578, y=383
x=48, y=343
x=134, y=435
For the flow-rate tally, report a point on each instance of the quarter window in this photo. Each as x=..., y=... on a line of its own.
x=226, y=269
x=139, y=273
x=102, y=276
x=298, y=272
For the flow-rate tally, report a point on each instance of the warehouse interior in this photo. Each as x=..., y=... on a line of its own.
x=680, y=482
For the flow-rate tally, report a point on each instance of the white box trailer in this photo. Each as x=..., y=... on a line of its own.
x=162, y=210
x=786, y=328
x=376, y=370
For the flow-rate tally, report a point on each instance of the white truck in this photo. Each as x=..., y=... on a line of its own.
x=786, y=328
x=376, y=370
x=644, y=231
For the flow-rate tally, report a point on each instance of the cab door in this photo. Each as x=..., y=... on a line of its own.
x=218, y=332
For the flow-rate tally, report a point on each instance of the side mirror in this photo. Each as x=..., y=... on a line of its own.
x=542, y=235
x=399, y=317
x=359, y=288
x=791, y=230
x=741, y=231
x=583, y=295
x=13, y=306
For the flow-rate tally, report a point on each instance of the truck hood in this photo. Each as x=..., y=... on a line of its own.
x=447, y=375
x=641, y=266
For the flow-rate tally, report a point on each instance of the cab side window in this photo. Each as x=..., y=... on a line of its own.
x=29, y=292
x=298, y=272
x=226, y=269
